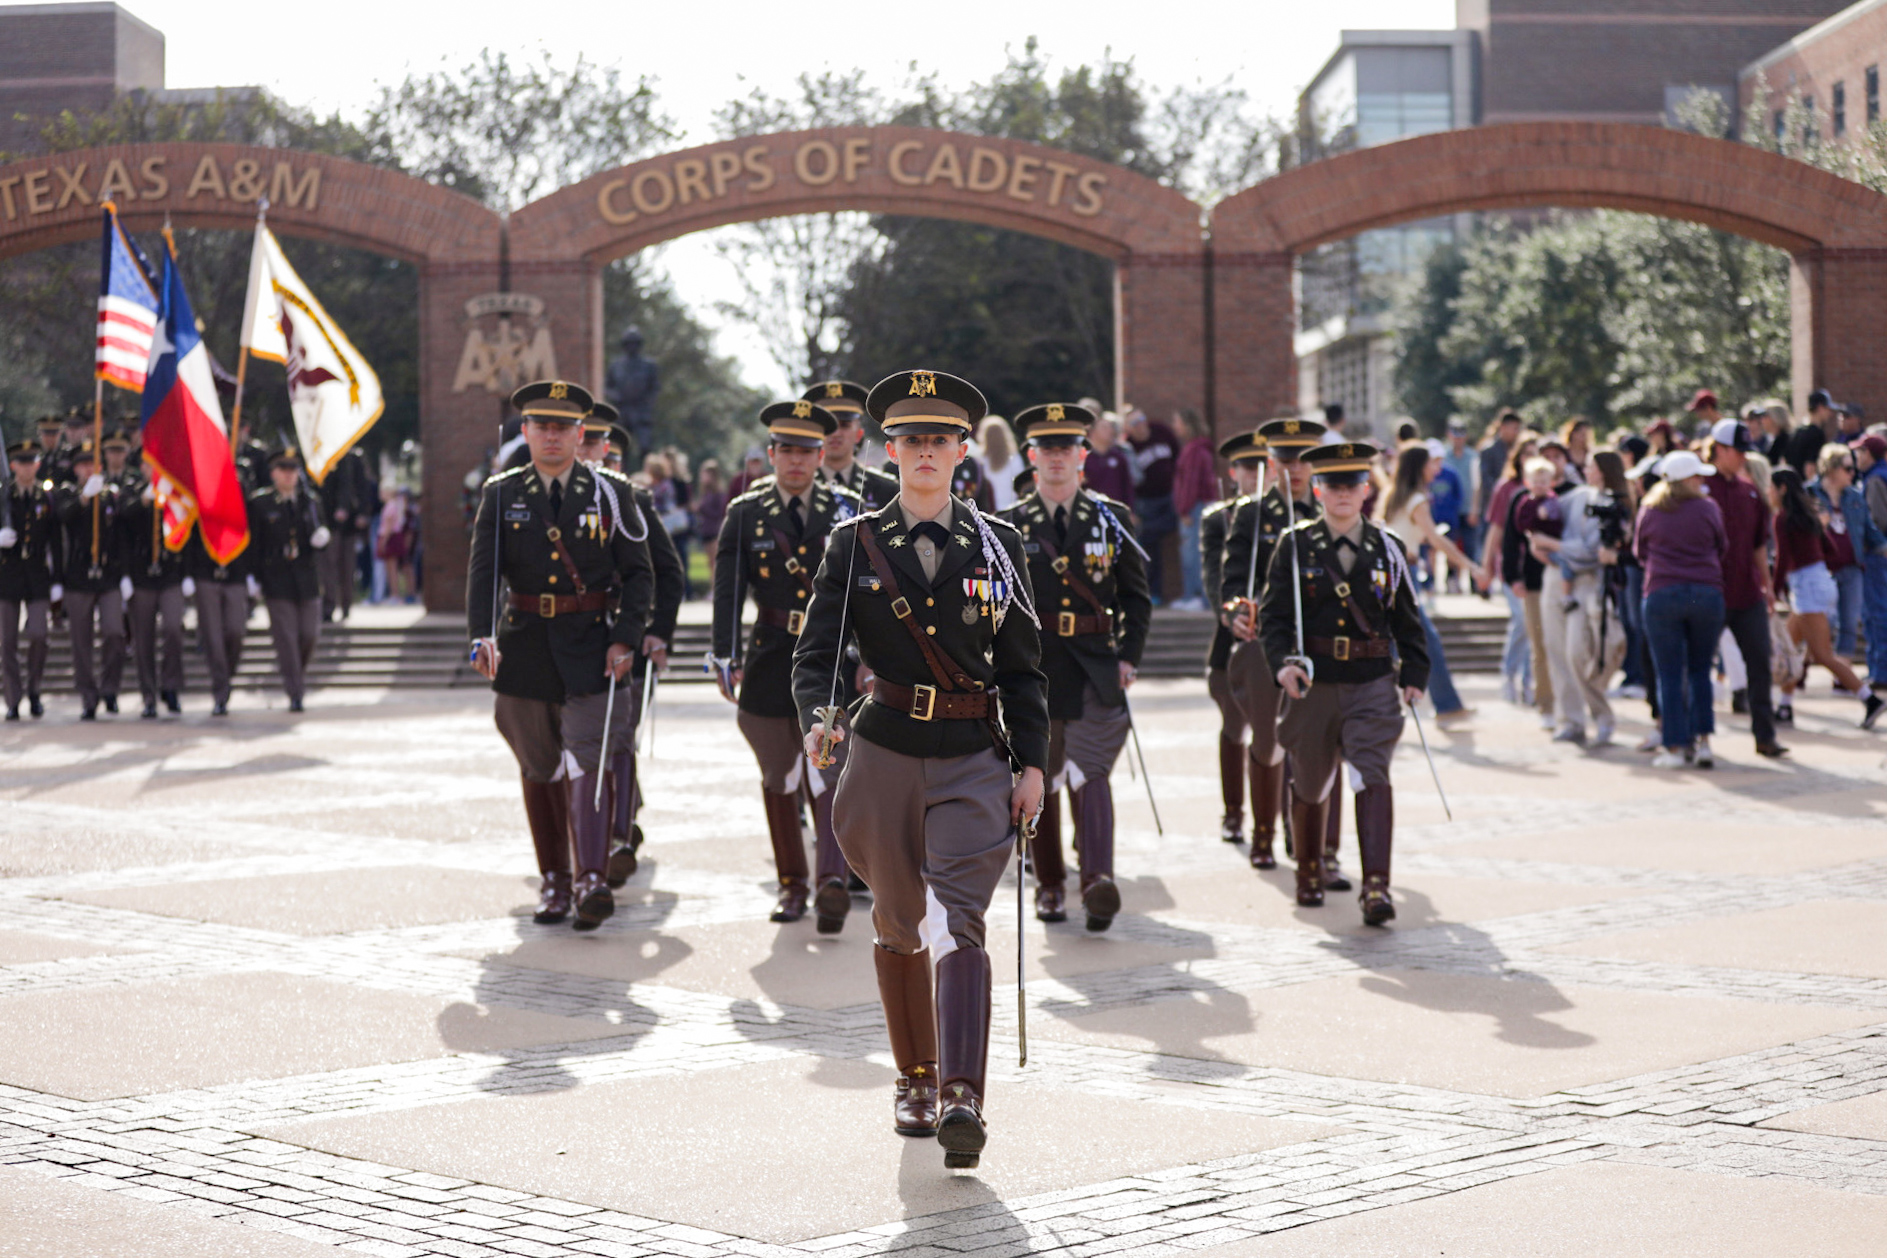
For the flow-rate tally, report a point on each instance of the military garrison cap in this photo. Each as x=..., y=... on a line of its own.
x=23, y=452
x=602, y=418
x=1055, y=424
x=285, y=456
x=557, y=401
x=119, y=440
x=83, y=453
x=1343, y=462
x=1246, y=445
x=1287, y=439
x=841, y=397
x=49, y=422
x=800, y=423
x=1024, y=482
x=915, y=402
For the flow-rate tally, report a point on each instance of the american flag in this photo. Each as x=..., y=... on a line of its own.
x=127, y=309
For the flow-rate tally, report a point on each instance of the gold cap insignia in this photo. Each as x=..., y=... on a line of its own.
x=923, y=384
x=1290, y=426
x=1055, y=411
x=834, y=389
x=560, y=390
x=802, y=410
x=1349, y=452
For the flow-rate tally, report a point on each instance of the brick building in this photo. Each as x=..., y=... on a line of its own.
x=1831, y=72
x=1510, y=61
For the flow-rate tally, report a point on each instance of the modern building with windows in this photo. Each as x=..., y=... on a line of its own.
x=1828, y=76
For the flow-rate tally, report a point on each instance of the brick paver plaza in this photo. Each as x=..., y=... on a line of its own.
x=269, y=986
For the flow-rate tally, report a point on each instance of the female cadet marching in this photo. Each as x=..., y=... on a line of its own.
x=568, y=548
x=1092, y=579
x=769, y=546
x=950, y=747
x=1339, y=626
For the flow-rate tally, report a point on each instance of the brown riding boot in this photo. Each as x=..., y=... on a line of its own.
x=1375, y=834
x=1333, y=833
x=589, y=833
x=1232, y=788
x=963, y=985
x=911, y=1022
x=830, y=873
x=1267, y=792
x=625, y=801
x=547, y=809
x=789, y=855
x=1094, y=841
x=1307, y=819
x=1051, y=872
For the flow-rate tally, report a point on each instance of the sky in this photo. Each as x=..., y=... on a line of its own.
x=335, y=55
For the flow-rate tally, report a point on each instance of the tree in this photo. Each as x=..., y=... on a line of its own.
x=1425, y=376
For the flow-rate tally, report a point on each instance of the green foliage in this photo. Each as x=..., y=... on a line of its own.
x=1608, y=315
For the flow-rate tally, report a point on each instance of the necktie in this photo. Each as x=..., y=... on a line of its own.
x=798, y=517
x=556, y=499
x=1061, y=524
x=933, y=532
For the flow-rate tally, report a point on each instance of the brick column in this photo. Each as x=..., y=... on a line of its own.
x=1254, y=358
x=1838, y=312
x=454, y=428
x=1160, y=333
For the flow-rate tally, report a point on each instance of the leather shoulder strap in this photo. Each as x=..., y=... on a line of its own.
x=1059, y=562
x=948, y=675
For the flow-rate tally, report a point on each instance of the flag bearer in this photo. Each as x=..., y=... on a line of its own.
x=89, y=565
x=157, y=576
x=557, y=597
x=1092, y=581
x=286, y=533
x=949, y=749
x=1368, y=656
x=27, y=536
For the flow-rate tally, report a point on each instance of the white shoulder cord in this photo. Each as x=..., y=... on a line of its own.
x=1120, y=533
x=998, y=560
x=615, y=510
x=1398, y=568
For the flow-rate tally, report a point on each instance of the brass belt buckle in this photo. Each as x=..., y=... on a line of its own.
x=1339, y=648
x=900, y=607
x=1060, y=563
x=795, y=621
x=1065, y=624
x=924, y=698
x=792, y=566
x=547, y=605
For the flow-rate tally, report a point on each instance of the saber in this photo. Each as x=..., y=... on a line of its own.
x=609, y=707
x=1134, y=732
x=1025, y=835
x=1297, y=581
x=1432, y=772
x=647, y=723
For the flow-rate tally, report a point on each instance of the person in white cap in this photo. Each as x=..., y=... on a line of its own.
x=1680, y=541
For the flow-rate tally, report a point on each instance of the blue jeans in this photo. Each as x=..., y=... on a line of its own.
x=1874, y=587
x=1516, y=658
x=1683, y=623
x=1157, y=523
x=1631, y=612
x=1190, y=579
x=1441, y=686
x=1849, y=583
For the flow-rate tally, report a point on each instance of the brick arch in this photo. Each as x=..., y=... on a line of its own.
x=1834, y=230
x=1152, y=234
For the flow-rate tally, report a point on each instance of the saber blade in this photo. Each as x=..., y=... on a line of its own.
x=609, y=708
x=1025, y=833
x=1432, y=772
x=1133, y=731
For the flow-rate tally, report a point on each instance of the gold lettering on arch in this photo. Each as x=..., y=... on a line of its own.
x=828, y=163
x=607, y=207
x=981, y=160
x=894, y=163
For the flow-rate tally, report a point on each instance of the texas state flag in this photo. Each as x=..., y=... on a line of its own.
x=184, y=435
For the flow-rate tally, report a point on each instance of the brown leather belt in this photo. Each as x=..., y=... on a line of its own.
x=549, y=605
x=1069, y=625
x=1350, y=648
x=780, y=618
x=927, y=703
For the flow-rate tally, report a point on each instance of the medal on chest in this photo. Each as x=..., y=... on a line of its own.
x=1099, y=557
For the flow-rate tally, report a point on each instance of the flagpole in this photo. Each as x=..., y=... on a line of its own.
x=235, y=415
x=98, y=456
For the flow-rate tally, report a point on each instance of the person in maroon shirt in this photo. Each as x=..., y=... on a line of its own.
x=1110, y=468
x=1803, y=559
x=1747, y=596
x=1156, y=452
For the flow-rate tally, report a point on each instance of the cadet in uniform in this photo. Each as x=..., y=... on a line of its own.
x=846, y=403
x=1091, y=579
x=937, y=597
x=569, y=543
x=1360, y=630
x=27, y=536
x=221, y=592
x=286, y=532
x=770, y=543
x=602, y=434
x=350, y=496
x=1245, y=454
x=89, y=565
x=1254, y=534
x=156, y=600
